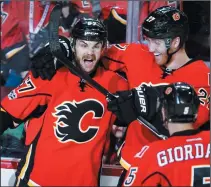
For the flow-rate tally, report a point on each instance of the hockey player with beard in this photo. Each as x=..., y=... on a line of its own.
x=65, y=115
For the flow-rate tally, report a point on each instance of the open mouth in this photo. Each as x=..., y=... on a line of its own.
x=88, y=63
x=157, y=54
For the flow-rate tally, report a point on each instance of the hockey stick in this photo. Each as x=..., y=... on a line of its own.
x=57, y=52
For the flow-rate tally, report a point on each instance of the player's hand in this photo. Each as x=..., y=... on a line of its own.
x=44, y=65
x=128, y=105
x=123, y=106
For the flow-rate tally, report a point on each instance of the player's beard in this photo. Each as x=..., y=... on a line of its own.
x=87, y=63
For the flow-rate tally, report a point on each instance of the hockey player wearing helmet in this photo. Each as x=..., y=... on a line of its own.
x=87, y=43
x=165, y=60
x=166, y=31
x=182, y=159
x=68, y=118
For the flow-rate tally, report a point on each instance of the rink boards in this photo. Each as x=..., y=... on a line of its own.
x=110, y=173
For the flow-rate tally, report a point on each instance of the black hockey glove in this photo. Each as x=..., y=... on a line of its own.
x=44, y=65
x=128, y=105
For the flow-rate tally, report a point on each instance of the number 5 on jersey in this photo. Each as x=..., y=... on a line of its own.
x=131, y=177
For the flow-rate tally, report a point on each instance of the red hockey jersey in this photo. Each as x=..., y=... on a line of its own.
x=181, y=160
x=67, y=136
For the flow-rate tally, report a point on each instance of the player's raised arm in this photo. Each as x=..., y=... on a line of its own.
x=28, y=100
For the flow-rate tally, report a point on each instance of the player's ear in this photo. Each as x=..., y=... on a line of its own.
x=175, y=43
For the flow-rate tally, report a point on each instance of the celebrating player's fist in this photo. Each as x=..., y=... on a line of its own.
x=44, y=65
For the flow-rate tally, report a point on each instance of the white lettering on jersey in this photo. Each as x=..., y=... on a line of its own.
x=182, y=153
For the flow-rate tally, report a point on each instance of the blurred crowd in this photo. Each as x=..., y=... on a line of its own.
x=24, y=31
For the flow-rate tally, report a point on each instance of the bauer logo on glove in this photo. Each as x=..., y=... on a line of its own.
x=142, y=100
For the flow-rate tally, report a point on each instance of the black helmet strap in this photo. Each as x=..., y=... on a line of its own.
x=168, y=45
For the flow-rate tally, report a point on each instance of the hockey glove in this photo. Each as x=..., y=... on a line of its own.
x=44, y=65
x=128, y=105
